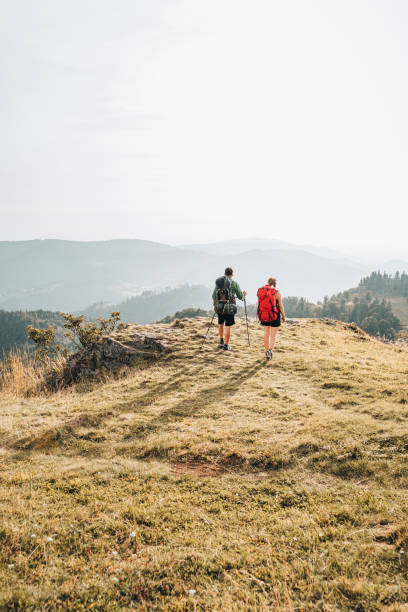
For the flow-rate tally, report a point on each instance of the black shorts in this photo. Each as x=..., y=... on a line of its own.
x=227, y=319
x=276, y=323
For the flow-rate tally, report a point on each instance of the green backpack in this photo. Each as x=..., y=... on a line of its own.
x=224, y=297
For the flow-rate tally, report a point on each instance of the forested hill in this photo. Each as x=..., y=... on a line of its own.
x=145, y=308
x=386, y=284
x=379, y=305
x=153, y=305
x=13, y=327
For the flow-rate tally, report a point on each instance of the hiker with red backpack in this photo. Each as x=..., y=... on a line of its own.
x=224, y=294
x=271, y=314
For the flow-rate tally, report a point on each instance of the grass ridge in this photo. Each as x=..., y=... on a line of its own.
x=212, y=480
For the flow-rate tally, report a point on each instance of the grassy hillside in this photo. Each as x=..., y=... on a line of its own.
x=392, y=286
x=399, y=306
x=214, y=481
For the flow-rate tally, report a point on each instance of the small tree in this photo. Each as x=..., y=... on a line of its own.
x=45, y=342
x=90, y=333
x=81, y=333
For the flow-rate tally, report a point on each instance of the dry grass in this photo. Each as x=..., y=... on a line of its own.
x=22, y=375
x=214, y=481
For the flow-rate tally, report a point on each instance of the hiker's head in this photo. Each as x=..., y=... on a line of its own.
x=272, y=281
x=229, y=272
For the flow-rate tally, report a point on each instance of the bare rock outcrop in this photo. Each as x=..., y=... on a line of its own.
x=108, y=354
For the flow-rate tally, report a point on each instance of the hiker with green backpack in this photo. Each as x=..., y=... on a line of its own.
x=224, y=294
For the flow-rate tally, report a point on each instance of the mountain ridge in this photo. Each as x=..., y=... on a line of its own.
x=71, y=275
x=240, y=245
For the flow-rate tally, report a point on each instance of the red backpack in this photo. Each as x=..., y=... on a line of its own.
x=268, y=309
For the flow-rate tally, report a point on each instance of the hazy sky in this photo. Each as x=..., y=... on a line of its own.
x=205, y=119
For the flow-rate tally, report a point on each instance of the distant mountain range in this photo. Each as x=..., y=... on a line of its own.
x=152, y=306
x=234, y=247
x=69, y=276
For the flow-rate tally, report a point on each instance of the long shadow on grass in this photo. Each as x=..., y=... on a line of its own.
x=195, y=402
x=54, y=436
x=160, y=389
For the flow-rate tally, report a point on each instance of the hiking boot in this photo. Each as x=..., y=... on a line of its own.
x=268, y=354
x=221, y=344
x=226, y=347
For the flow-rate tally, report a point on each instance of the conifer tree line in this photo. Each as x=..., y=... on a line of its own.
x=386, y=284
x=13, y=327
x=365, y=306
x=373, y=315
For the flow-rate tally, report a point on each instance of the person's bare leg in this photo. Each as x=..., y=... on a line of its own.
x=221, y=331
x=272, y=337
x=227, y=334
x=266, y=337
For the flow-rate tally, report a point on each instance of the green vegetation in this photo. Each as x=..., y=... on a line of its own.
x=29, y=372
x=299, y=307
x=379, y=305
x=85, y=334
x=13, y=328
x=209, y=481
x=80, y=333
x=399, y=307
x=373, y=305
x=373, y=315
x=386, y=284
x=50, y=331
x=44, y=340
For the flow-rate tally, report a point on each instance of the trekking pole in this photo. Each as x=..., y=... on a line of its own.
x=208, y=329
x=246, y=317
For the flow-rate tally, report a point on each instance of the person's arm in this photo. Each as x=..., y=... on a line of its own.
x=214, y=294
x=237, y=290
x=281, y=308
